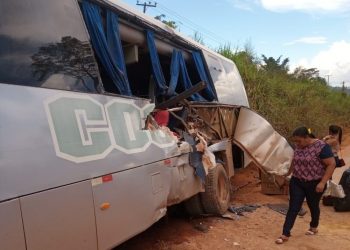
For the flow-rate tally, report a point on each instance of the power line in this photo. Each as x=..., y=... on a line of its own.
x=195, y=30
x=192, y=29
x=190, y=22
x=328, y=78
x=192, y=26
x=184, y=21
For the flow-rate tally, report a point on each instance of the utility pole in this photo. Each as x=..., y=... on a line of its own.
x=343, y=87
x=146, y=4
x=328, y=78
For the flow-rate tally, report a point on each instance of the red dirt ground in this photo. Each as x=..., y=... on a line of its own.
x=257, y=230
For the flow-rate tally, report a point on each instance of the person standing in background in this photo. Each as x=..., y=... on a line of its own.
x=334, y=139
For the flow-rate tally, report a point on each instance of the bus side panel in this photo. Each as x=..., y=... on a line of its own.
x=11, y=230
x=30, y=139
x=61, y=218
x=128, y=202
x=184, y=182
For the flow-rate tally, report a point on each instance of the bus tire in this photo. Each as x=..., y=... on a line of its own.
x=193, y=206
x=216, y=198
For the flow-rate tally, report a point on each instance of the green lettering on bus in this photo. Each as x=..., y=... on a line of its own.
x=70, y=137
x=85, y=130
x=126, y=124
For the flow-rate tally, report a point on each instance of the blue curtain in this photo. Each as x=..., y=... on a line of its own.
x=178, y=66
x=174, y=72
x=161, y=86
x=209, y=91
x=109, y=57
x=114, y=42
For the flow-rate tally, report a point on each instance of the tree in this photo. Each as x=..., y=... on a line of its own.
x=311, y=74
x=170, y=23
x=70, y=56
x=302, y=73
x=273, y=65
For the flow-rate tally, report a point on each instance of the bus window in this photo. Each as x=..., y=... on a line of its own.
x=233, y=90
x=216, y=70
x=46, y=45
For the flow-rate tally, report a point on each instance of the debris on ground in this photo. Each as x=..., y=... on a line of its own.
x=282, y=208
x=201, y=227
x=245, y=208
x=230, y=216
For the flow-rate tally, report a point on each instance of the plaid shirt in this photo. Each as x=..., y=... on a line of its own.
x=307, y=163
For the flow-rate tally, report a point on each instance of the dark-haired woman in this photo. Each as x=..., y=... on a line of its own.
x=312, y=166
x=334, y=139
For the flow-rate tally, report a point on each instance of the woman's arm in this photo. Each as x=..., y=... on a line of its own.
x=331, y=140
x=330, y=166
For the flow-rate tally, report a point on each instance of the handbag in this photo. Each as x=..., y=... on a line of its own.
x=328, y=200
x=341, y=163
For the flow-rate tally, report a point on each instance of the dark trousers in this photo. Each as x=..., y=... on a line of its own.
x=298, y=191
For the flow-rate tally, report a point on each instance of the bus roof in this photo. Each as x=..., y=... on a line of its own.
x=131, y=11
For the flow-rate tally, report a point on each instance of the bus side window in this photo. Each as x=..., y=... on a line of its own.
x=46, y=45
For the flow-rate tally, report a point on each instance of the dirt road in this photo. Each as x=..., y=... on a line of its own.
x=257, y=230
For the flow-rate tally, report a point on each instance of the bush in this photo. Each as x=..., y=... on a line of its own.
x=289, y=100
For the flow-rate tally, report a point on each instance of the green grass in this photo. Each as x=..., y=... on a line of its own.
x=286, y=100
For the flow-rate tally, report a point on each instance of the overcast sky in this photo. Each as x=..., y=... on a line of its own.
x=311, y=33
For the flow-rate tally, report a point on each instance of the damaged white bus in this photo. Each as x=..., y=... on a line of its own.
x=107, y=117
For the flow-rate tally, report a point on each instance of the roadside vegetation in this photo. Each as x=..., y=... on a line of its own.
x=289, y=99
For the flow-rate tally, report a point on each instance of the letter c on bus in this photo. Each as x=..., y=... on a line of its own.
x=79, y=128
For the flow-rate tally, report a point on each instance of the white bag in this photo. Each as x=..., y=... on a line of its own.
x=334, y=190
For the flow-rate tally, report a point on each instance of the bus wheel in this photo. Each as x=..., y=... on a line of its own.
x=193, y=206
x=216, y=198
